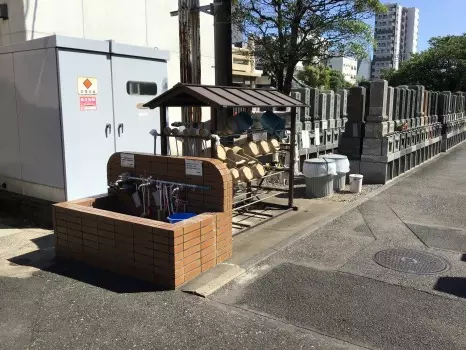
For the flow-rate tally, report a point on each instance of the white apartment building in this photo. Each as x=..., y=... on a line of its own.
x=139, y=22
x=347, y=66
x=396, y=35
x=364, y=69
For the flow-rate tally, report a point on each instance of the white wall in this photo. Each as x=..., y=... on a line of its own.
x=412, y=31
x=347, y=66
x=364, y=69
x=137, y=22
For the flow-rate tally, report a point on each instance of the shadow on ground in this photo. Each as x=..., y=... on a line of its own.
x=44, y=259
x=452, y=285
x=463, y=257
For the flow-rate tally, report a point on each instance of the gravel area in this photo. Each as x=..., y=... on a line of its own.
x=347, y=196
x=344, y=196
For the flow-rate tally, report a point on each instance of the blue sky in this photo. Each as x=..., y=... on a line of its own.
x=437, y=18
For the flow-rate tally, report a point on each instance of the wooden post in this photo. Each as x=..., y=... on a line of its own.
x=163, y=138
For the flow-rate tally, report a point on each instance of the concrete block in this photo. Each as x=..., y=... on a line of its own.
x=337, y=112
x=354, y=129
x=372, y=147
x=409, y=96
x=418, y=100
x=299, y=126
x=328, y=137
x=391, y=126
x=322, y=115
x=357, y=104
x=355, y=166
x=336, y=136
x=367, y=85
x=376, y=130
x=331, y=123
x=343, y=102
x=390, y=102
x=330, y=107
x=338, y=123
x=443, y=104
x=403, y=140
x=413, y=104
x=434, y=104
x=396, y=142
x=323, y=125
x=397, y=104
x=378, y=101
x=388, y=146
x=374, y=173
x=296, y=95
x=427, y=102
x=314, y=102
x=350, y=146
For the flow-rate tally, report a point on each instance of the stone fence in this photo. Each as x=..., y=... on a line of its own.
x=385, y=131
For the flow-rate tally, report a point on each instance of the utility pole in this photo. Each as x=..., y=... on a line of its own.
x=222, y=37
x=190, y=51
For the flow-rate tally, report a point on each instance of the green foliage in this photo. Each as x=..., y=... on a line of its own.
x=323, y=77
x=289, y=31
x=337, y=81
x=315, y=76
x=441, y=68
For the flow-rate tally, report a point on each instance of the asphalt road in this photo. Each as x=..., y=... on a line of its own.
x=322, y=292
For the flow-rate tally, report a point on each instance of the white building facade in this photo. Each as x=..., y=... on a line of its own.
x=364, y=69
x=145, y=23
x=396, y=36
x=347, y=66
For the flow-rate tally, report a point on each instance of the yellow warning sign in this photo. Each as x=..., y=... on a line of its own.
x=87, y=86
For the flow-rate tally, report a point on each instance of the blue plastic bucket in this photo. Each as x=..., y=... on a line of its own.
x=272, y=122
x=177, y=217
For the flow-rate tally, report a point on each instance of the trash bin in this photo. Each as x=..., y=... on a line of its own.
x=355, y=183
x=319, y=173
x=342, y=167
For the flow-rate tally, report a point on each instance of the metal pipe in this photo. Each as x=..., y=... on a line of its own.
x=292, y=158
x=151, y=182
x=258, y=201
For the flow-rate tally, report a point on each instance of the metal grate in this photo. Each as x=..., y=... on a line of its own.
x=411, y=261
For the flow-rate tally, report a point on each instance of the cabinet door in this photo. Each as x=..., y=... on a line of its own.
x=87, y=121
x=136, y=81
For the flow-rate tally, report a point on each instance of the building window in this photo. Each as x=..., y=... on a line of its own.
x=144, y=88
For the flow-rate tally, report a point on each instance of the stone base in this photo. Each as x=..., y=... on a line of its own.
x=374, y=173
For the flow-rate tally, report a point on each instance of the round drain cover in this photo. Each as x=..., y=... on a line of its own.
x=411, y=261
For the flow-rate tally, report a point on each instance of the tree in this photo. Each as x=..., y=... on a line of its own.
x=321, y=76
x=315, y=76
x=338, y=81
x=286, y=32
x=442, y=67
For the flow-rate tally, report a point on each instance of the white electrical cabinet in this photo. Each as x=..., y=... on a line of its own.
x=66, y=105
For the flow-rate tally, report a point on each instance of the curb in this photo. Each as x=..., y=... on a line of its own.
x=218, y=279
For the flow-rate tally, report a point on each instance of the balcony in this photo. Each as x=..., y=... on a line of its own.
x=244, y=63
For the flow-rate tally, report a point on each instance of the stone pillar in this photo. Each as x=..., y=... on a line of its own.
x=353, y=106
x=378, y=146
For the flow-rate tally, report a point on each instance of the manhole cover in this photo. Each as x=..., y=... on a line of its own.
x=411, y=261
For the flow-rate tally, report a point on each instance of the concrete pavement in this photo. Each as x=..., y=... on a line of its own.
x=321, y=291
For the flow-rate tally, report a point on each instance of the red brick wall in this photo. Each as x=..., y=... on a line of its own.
x=166, y=254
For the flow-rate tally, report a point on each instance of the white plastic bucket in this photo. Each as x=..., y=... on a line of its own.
x=355, y=182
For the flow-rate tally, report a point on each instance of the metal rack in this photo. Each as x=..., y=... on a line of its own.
x=223, y=100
